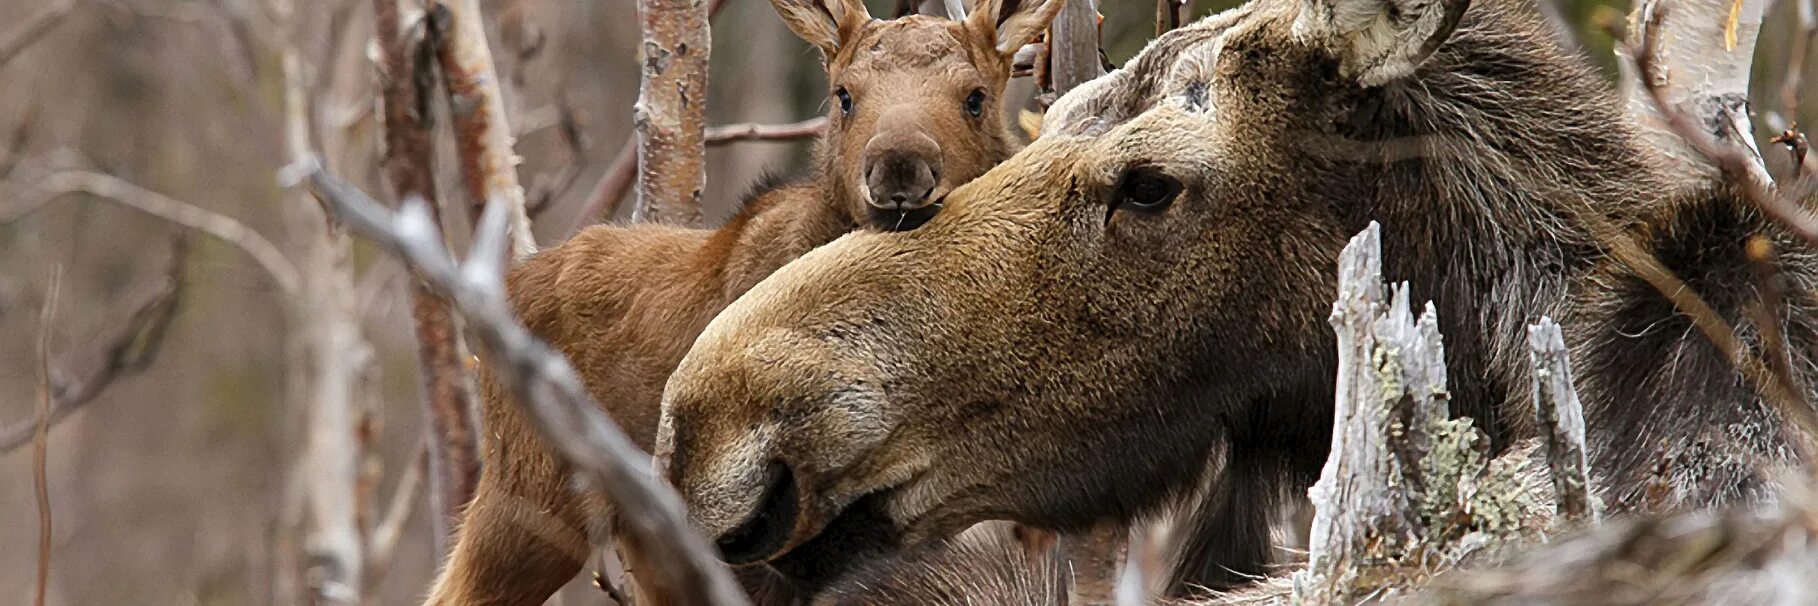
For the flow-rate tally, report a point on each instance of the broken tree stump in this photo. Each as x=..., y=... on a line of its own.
x=1561, y=423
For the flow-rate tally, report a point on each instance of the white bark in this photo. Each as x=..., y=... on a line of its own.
x=1561, y=422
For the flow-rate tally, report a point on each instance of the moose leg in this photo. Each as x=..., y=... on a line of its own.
x=513, y=547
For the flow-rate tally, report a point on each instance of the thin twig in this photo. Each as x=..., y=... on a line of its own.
x=33, y=29
x=383, y=542
x=733, y=133
x=41, y=435
x=545, y=385
x=126, y=348
x=111, y=188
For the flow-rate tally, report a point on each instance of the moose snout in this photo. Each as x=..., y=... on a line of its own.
x=901, y=173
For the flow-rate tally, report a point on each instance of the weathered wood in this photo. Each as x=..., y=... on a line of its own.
x=1171, y=14
x=1404, y=486
x=1073, y=46
x=404, y=82
x=670, y=115
x=1561, y=422
x=489, y=168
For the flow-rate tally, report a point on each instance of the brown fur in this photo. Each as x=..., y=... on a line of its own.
x=624, y=303
x=1044, y=352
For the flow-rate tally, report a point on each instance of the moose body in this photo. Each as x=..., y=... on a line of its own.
x=1139, y=299
x=914, y=112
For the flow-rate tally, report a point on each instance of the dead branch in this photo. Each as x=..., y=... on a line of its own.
x=34, y=28
x=1561, y=422
x=406, y=79
x=1073, y=45
x=382, y=544
x=41, y=435
x=125, y=348
x=107, y=187
x=686, y=568
x=603, y=202
x=733, y=133
x=670, y=116
x=488, y=166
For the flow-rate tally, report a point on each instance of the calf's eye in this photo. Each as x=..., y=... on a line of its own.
x=975, y=103
x=845, y=100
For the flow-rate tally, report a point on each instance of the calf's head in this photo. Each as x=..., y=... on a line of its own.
x=913, y=102
x=1076, y=329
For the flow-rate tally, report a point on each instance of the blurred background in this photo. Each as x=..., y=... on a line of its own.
x=171, y=487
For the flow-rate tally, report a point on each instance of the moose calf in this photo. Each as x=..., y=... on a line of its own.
x=914, y=114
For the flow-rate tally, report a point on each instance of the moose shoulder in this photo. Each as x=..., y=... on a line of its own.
x=914, y=113
x=1144, y=290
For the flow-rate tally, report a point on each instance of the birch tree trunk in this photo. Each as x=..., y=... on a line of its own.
x=489, y=168
x=670, y=116
x=1703, y=55
x=1073, y=46
x=405, y=82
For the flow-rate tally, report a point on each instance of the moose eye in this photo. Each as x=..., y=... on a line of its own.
x=845, y=100
x=975, y=103
x=1145, y=189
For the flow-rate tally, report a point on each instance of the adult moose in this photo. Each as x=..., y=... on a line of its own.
x=1145, y=290
x=914, y=113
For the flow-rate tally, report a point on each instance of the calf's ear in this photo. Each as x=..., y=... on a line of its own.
x=824, y=23
x=1379, y=41
x=1009, y=24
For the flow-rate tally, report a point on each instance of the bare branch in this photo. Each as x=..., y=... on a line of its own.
x=222, y=227
x=488, y=165
x=1561, y=422
x=686, y=570
x=609, y=193
x=733, y=133
x=383, y=542
x=33, y=29
x=1795, y=63
x=124, y=349
x=670, y=116
x=41, y=435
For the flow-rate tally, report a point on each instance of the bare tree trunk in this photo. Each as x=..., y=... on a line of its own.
x=333, y=360
x=489, y=168
x=1073, y=46
x=405, y=84
x=1171, y=14
x=1702, y=57
x=670, y=116
x=1561, y=423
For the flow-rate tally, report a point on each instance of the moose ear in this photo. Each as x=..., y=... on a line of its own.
x=1379, y=41
x=823, y=23
x=1009, y=24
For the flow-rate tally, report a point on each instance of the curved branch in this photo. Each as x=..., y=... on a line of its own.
x=225, y=228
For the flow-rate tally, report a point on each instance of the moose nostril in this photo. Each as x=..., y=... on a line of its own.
x=770, y=525
x=899, y=198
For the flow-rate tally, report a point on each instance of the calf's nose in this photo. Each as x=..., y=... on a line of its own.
x=901, y=172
